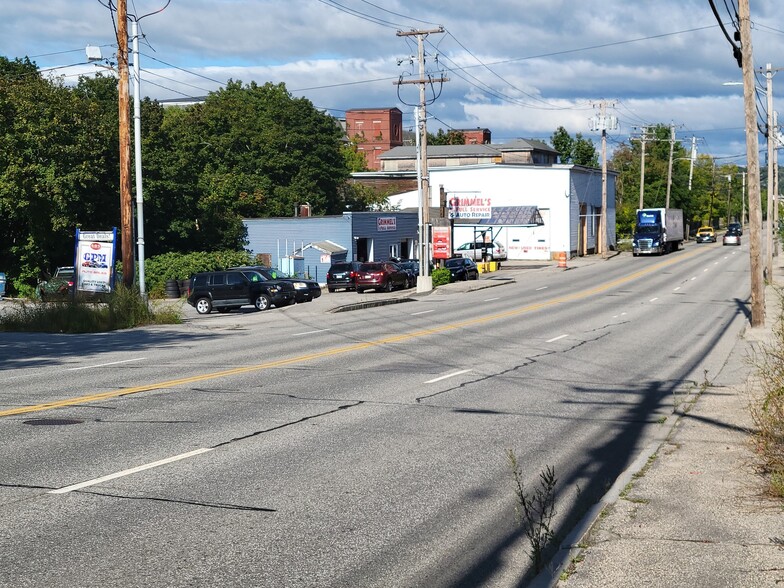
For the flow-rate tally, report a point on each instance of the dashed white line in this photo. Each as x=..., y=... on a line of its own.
x=542, y=288
x=491, y=299
x=653, y=299
x=556, y=338
x=422, y=312
x=309, y=332
x=452, y=375
x=676, y=289
x=128, y=472
x=694, y=278
x=89, y=367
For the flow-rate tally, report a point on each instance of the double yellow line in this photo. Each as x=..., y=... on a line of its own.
x=343, y=349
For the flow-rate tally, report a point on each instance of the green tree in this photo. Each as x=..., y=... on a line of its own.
x=451, y=137
x=577, y=150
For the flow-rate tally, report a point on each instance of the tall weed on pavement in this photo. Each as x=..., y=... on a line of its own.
x=767, y=409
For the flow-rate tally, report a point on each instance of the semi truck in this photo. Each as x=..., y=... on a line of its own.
x=657, y=231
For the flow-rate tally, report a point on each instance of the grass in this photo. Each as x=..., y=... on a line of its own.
x=124, y=309
x=767, y=409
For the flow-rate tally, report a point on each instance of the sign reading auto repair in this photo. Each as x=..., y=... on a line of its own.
x=386, y=223
x=95, y=251
x=469, y=205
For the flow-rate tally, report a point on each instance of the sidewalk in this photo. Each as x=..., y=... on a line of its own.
x=695, y=516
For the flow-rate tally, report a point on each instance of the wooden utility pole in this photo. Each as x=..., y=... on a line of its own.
x=602, y=123
x=643, y=138
x=669, y=166
x=126, y=209
x=424, y=233
x=752, y=161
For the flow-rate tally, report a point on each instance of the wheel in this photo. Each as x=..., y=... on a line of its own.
x=204, y=306
x=388, y=287
x=263, y=302
x=465, y=277
x=360, y=290
x=331, y=290
x=476, y=276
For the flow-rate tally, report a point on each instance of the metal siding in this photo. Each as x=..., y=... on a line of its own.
x=366, y=227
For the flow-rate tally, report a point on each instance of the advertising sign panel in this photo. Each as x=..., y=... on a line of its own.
x=469, y=205
x=386, y=223
x=442, y=247
x=94, y=264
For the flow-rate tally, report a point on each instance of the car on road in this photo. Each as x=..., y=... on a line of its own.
x=411, y=267
x=342, y=276
x=306, y=290
x=231, y=290
x=731, y=237
x=706, y=235
x=381, y=275
x=461, y=269
x=477, y=250
x=735, y=226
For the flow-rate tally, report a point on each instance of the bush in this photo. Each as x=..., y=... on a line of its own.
x=124, y=309
x=181, y=266
x=441, y=276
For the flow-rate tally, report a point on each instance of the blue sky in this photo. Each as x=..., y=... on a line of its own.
x=518, y=67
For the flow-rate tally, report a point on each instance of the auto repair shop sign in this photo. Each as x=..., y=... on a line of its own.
x=469, y=205
x=95, y=252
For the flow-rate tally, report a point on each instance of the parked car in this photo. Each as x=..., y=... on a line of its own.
x=735, y=226
x=306, y=290
x=59, y=286
x=231, y=290
x=383, y=275
x=461, y=269
x=706, y=235
x=731, y=237
x=492, y=251
x=411, y=267
x=286, y=293
x=342, y=275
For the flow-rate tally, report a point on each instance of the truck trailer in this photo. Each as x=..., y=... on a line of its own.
x=658, y=231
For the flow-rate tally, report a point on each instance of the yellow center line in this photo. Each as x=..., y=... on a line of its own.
x=343, y=349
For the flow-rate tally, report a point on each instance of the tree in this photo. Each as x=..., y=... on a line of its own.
x=451, y=137
x=577, y=150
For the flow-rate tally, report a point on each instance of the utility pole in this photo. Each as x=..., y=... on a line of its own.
x=602, y=123
x=769, y=134
x=729, y=195
x=743, y=198
x=669, y=167
x=752, y=160
x=692, y=158
x=425, y=281
x=126, y=211
x=137, y=146
x=643, y=138
x=776, y=183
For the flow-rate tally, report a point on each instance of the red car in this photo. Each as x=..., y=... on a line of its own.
x=381, y=276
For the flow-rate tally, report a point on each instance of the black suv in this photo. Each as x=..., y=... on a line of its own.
x=230, y=290
x=342, y=275
x=305, y=290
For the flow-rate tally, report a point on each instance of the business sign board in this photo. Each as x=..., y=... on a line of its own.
x=386, y=223
x=442, y=246
x=94, y=263
x=469, y=205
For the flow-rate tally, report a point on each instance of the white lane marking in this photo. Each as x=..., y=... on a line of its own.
x=556, y=338
x=130, y=471
x=715, y=263
x=89, y=367
x=542, y=288
x=653, y=299
x=676, y=289
x=491, y=299
x=453, y=374
x=422, y=312
x=309, y=332
x=706, y=269
x=694, y=278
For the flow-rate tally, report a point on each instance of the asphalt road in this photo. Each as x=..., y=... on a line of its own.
x=302, y=447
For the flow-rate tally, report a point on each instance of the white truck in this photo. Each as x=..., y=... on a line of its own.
x=658, y=230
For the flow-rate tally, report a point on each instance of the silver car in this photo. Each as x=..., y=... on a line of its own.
x=494, y=251
x=731, y=237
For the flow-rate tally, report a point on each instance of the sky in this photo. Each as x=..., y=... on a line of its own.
x=521, y=68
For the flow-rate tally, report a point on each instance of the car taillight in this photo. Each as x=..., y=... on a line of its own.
x=328, y=276
x=352, y=274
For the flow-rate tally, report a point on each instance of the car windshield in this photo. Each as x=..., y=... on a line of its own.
x=648, y=229
x=454, y=262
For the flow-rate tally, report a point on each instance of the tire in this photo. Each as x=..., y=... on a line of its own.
x=360, y=290
x=203, y=306
x=262, y=302
x=388, y=287
x=331, y=290
x=465, y=277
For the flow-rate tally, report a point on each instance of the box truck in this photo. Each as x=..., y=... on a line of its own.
x=658, y=230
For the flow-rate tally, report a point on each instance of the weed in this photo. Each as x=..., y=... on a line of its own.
x=535, y=510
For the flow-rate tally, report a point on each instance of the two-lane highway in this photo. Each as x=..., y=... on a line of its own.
x=363, y=448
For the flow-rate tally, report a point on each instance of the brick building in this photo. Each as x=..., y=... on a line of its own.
x=376, y=131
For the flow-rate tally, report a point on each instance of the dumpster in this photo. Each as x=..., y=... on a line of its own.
x=2, y=284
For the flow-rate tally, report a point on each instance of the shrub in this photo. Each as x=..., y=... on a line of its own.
x=441, y=276
x=181, y=266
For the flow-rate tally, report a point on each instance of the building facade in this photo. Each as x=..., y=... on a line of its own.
x=376, y=131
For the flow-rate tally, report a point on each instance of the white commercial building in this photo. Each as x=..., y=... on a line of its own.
x=568, y=199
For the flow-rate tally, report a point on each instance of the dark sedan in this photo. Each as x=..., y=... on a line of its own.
x=379, y=276
x=305, y=290
x=461, y=269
